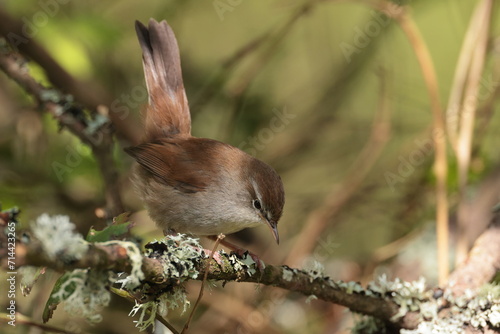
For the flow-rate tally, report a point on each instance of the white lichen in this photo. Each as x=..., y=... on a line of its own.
x=287, y=274
x=310, y=298
x=437, y=326
x=147, y=314
x=172, y=300
x=58, y=238
x=351, y=287
x=479, y=309
x=85, y=293
x=133, y=280
x=167, y=301
x=314, y=269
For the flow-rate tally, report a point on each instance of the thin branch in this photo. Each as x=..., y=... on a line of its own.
x=21, y=319
x=439, y=135
x=461, y=73
x=318, y=220
x=95, y=132
x=467, y=115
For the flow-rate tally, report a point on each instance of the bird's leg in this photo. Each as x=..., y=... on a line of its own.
x=240, y=251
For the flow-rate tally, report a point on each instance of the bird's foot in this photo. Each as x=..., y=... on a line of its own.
x=215, y=255
x=241, y=252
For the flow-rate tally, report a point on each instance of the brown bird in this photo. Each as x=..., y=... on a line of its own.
x=194, y=185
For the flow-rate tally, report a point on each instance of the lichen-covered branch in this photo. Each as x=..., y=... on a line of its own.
x=155, y=279
x=114, y=256
x=482, y=263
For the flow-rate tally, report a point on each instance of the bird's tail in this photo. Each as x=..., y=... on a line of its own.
x=168, y=110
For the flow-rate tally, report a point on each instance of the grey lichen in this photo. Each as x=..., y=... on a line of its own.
x=437, y=326
x=243, y=263
x=94, y=124
x=407, y=295
x=480, y=309
x=50, y=95
x=367, y=325
x=310, y=298
x=179, y=253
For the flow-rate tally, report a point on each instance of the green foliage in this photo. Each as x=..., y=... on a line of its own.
x=119, y=229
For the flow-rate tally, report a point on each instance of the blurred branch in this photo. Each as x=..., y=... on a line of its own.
x=439, y=136
x=333, y=96
x=89, y=95
x=95, y=132
x=274, y=41
x=22, y=320
x=340, y=195
x=479, y=19
x=318, y=220
x=482, y=263
x=480, y=24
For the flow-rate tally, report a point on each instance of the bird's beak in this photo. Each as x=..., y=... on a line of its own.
x=274, y=228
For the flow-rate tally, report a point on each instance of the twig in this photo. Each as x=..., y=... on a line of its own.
x=456, y=97
x=439, y=135
x=467, y=115
x=200, y=295
x=21, y=319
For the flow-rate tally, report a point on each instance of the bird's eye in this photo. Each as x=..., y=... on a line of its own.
x=256, y=204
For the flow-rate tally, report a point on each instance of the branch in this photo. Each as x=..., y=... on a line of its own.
x=482, y=263
x=95, y=132
x=165, y=266
x=115, y=257
x=90, y=95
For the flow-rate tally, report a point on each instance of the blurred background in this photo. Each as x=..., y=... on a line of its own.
x=330, y=93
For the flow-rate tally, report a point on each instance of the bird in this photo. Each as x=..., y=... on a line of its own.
x=193, y=185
